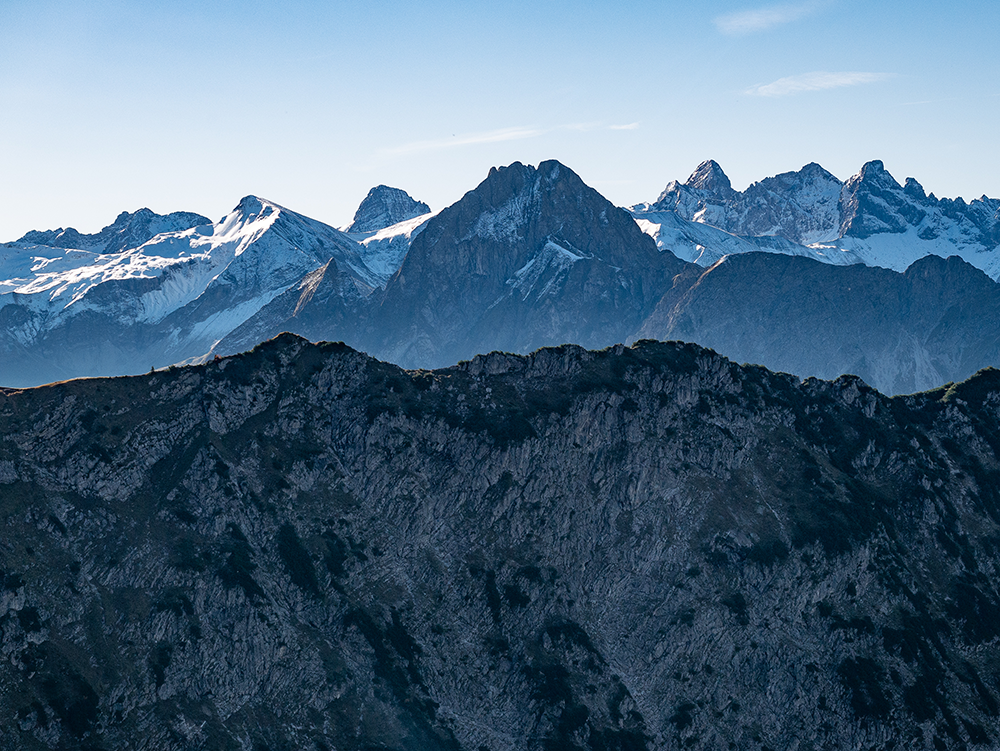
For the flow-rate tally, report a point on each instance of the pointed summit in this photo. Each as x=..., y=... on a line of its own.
x=250, y=207
x=914, y=189
x=872, y=174
x=872, y=202
x=531, y=257
x=874, y=167
x=708, y=176
x=384, y=207
x=801, y=206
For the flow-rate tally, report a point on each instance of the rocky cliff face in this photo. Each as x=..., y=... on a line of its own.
x=640, y=548
x=873, y=202
x=532, y=257
x=383, y=207
x=901, y=333
x=880, y=217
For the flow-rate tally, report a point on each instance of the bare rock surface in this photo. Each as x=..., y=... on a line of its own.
x=383, y=207
x=934, y=323
x=531, y=257
x=644, y=547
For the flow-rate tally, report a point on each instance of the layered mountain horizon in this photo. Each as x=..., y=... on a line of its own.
x=531, y=257
x=520, y=493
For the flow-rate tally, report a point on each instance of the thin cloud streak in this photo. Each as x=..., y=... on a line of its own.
x=472, y=139
x=817, y=81
x=491, y=136
x=762, y=19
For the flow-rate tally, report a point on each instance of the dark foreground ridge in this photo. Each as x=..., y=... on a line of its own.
x=645, y=547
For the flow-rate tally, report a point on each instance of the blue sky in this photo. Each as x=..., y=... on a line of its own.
x=111, y=106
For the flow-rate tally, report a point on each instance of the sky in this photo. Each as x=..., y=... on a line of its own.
x=112, y=106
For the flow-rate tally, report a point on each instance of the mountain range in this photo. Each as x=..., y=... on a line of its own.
x=629, y=545
x=799, y=272
x=645, y=547
x=869, y=219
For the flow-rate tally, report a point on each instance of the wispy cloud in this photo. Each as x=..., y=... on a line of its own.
x=767, y=17
x=817, y=81
x=469, y=139
x=517, y=133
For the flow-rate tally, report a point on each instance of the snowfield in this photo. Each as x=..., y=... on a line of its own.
x=257, y=250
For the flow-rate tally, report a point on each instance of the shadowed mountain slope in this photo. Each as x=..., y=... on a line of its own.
x=937, y=322
x=638, y=548
x=531, y=257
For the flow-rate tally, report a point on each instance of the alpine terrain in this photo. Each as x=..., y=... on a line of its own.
x=799, y=272
x=869, y=219
x=125, y=299
x=645, y=547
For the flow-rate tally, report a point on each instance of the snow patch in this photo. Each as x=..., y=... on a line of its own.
x=550, y=261
x=704, y=244
x=383, y=251
x=503, y=223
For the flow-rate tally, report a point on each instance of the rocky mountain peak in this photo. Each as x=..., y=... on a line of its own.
x=914, y=189
x=384, y=207
x=798, y=206
x=124, y=218
x=872, y=202
x=875, y=173
x=811, y=207
x=129, y=230
x=708, y=176
x=251, y=207
x=528, y=206
x=523, y=239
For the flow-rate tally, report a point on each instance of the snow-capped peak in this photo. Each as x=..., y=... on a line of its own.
x=250, y=217
x=869, y=218
x=129, y=230
x=253, y=253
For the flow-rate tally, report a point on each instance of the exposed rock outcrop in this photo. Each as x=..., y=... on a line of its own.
x=936, y=322
x=531, y=257
x=383, y=207
x=639, y=548
x=129, y=230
